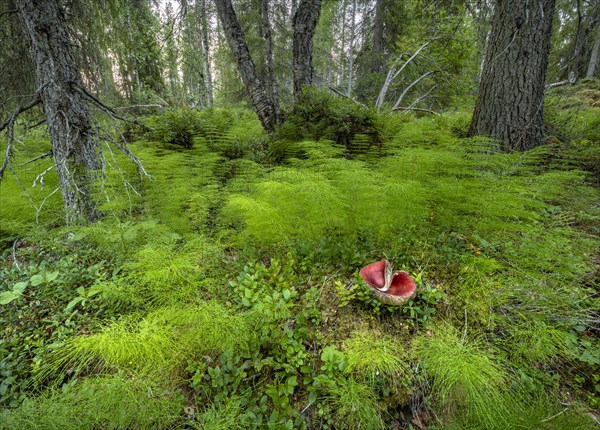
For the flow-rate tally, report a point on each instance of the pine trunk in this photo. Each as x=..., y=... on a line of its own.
x=593, y=64
x=305, y=23
x=378, y=40
x=509, y=105
x=206, y=56
x=272, y=80
x=57, y=77
x=258, y=97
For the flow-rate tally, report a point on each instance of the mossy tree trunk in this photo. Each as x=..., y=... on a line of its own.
x=66, y=112
x=509, y=104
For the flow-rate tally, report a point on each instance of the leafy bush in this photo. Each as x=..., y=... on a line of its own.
x=322, y=115
x=176, y=127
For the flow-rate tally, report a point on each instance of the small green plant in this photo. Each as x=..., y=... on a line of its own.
x=112, y=402
x=373, y=356
x=176, y=127
x=464, y=377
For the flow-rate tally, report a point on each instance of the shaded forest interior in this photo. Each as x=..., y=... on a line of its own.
x=189, y=190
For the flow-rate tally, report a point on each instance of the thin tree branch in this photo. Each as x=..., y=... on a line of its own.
x=47, y=154
x=416, y=109
x=107, y=109
x=393, y=74
x=407, y=89
x=10, y=123
x=8, y=12
x=341, y=94
x=140, y=106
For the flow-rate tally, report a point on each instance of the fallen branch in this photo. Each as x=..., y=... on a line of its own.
x=570, y=81
x=416, y=109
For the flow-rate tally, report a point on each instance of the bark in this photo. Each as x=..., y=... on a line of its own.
x=206, y=56
x=378, y=40
x=73, y=145
x=304, y=23
x=272, y=80
x=509, y=105
x=351, y=52
x=258, y=97
x=593, y=65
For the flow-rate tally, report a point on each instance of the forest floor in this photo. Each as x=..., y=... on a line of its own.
x=224, y=291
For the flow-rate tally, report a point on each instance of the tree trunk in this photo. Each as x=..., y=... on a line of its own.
x=272, y=80
x=509, y=105
x=258, y=97
x=378, y=41
x=593, y=65
x=351, y=52
x=206, y=56
x=305, y=23
x=57, y=77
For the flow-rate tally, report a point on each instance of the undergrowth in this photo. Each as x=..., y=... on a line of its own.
x=223, y=292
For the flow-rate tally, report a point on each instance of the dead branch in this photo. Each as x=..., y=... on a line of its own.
x=8, y=12
x=408, y=88
x=423, y=97
x=339, y=93
x=415, y=109
x=392, y=74
x=10, y=123
x=570, y=81
x=161, y=107
x=124, y=149
x=107, y=109
x=37, y=124
x=39, y=157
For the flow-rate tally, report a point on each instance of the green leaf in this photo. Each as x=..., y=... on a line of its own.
x=74, y=303
x=52, y=276
x=36, y=280
x=312, y=397
x=286, y=294
x=8, y=296
x=19, y=287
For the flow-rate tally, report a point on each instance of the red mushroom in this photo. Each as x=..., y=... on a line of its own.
x=390, y=288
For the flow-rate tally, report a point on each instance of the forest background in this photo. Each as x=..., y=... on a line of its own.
x=189, y=189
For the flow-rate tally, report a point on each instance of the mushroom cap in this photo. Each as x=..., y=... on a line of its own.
x=374, y=274
x=402, y=287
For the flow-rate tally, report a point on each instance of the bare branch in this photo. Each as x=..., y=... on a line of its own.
x=339, y=93
x=161, y=107
x=39, y=157
x=10, y=123
x=407, y=89
x=8, y=12
x=19, y=110
x=570, y=81
x=392, y=74
x=107, y=109
x=415, y=109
